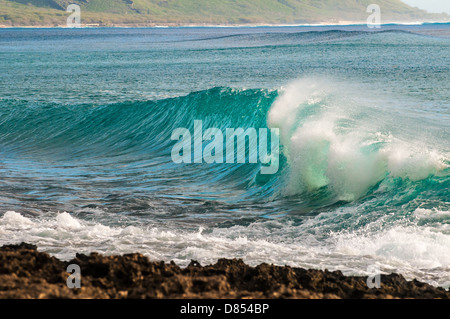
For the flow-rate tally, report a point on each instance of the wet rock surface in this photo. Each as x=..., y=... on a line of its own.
x=28, y=273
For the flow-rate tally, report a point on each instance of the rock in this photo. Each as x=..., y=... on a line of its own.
x=27, y=273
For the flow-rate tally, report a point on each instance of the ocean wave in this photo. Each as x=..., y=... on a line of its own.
x=332, y=143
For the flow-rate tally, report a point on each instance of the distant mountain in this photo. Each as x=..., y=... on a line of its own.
x=173, y=12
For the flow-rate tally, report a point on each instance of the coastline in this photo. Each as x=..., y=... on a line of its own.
x=26, y=273
x=206, y=25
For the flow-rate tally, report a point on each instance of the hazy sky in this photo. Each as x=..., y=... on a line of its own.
x=431, y=5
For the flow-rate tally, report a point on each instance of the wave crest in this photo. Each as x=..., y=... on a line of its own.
x=332, y=140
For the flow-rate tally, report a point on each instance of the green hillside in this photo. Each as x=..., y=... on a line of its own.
x=150, y=12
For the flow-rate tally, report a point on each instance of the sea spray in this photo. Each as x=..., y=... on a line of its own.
x=328, y=143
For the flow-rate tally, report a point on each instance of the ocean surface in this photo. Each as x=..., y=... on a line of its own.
x=86, y=118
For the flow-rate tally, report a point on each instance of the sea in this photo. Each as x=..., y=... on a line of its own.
x=87, y=121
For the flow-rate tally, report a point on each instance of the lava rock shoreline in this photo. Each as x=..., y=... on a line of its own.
x=26, y=273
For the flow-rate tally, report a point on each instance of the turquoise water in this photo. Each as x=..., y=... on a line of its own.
x=364, y=178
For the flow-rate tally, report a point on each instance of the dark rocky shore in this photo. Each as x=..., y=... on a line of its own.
x=27, y=273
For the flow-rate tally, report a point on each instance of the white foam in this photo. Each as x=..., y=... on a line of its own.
x=431, y=213
x=404, y=247
x=413, y=163
x=417, y=252
x=66, y=221
x=13, y=220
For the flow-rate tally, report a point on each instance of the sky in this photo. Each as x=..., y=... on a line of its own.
x=436, y=6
